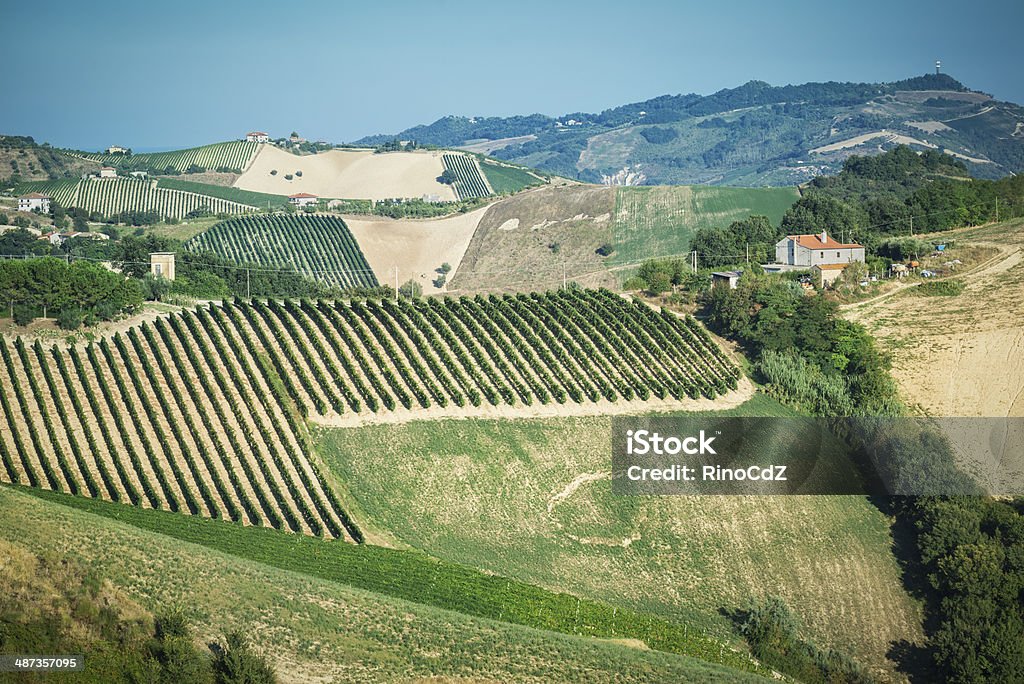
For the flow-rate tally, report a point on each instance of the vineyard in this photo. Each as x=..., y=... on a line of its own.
x=177, y=415
x=114, y=196
x=321, y=247
x=469, y=182
x=201, y=412
x=236, y=155
x=506, y=179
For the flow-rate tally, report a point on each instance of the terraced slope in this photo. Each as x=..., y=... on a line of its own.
x=320, y=247
x=236, y=155
x=178, y=415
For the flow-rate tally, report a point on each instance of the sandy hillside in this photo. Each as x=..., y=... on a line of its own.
x=514, y=247
x=347, y=174
x=417, y=248
x=962, y=355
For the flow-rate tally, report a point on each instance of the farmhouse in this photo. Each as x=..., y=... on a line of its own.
x=302, y=199
x=34, y=201
x=810, y=250
x=257, y=136
x=108, y=172
x=117, y=149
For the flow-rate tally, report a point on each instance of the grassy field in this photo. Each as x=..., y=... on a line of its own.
x=255, y=199
x=413, y=576
x=532, y=500
x=507, y=179
x=312, y=627
x=660, y=220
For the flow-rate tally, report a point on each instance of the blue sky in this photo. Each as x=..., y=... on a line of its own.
x=183, y=73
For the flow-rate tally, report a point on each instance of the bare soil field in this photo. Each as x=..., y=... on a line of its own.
x=530, y=240
x=347, y=174
x=961, y=355
x=488, y=146
x=416, y=247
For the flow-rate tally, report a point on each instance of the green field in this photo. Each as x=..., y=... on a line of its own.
x=659, y=221
x=506, y=179
x=531, y=499
x=255, y=199
x=468, y=182
x=293, y=601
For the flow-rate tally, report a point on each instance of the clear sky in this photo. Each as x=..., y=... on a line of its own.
x=181, y=73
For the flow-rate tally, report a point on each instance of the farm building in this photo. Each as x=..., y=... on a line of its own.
x=108, y=172
x=810, y=250
x=117, y=149
x=34, y=201
x=826, y=274
x=302, y=199
x=257, y=136
x=161, y=265
x=726, y=279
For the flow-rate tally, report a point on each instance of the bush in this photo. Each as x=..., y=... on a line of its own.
x=940, y=288
x=635, y=283
x=298, y=174
x=273, y=172
x=605, y=249
x=70, y=319
x=23, y=314
x=411, y=289
x=288, y=176
x=235, y=662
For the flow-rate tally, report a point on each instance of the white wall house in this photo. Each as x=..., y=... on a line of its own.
x=813, y=250
x=34, y=201
x=302, y=199
x=117, y=149
x=108, y=172
x=257, y=136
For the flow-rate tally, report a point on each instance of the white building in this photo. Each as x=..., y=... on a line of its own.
x=161, y=265
x=34, y=201
x=117, y=149
x=108, y=172
x=805, y=251
x=257, y=136
x=302, y=199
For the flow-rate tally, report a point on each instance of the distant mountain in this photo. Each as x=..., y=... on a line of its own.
x=753, y=135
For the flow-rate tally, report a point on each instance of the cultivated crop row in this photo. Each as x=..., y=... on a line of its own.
x=178, y=414
x=112, y=196
x=469, y=182
x=574, y=346
x=231, y=155
x=321, y=247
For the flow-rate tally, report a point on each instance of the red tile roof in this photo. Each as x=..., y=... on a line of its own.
x=814, y=242
x=831, y=267
x=256, y=133
x=302, y=194
x=34, y=195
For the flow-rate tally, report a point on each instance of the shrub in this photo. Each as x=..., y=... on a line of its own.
x=605, y=249
x=288, y=176
x=298, y=174
x=940, y=288
x=70, y=319
x=23, y=314
x=273, y=172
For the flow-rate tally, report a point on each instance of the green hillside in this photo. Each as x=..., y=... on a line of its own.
x=506, y=179
x=653, y=221
x=290, y=597
x=229, y=156
x=255, y=199
x=532, y=499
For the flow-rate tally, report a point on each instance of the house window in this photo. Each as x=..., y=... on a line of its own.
x=159, y=269
x=822, y=255
x=838, y=255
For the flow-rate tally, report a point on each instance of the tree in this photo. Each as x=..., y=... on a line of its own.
x=411, y=289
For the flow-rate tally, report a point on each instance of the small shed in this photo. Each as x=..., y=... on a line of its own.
x=726, y=279
x=161, y=265
x=826, y=274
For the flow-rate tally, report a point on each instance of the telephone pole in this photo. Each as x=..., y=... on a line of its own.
x=564, y=283
x=396, y=284
x=997, y=210
x=911, y=225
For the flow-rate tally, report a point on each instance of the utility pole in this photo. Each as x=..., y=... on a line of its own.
x=396, y=284
x=746, y=246
x=911, y=225
x=997, y=210
x=564, y=284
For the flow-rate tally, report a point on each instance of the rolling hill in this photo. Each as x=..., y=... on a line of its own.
x=752, y=135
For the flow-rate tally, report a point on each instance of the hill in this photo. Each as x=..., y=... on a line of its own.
x=319, y=247
x=21, y=159
x=752, y=135
x=113, y=197
x=226, y=156
x=386, y=637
